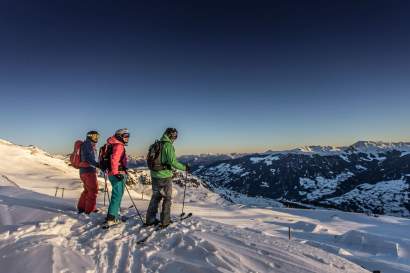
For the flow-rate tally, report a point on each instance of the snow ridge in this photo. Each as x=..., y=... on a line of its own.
x=367, y=147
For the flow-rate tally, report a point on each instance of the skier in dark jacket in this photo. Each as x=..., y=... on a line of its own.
x=162, y=181
x=88, y=175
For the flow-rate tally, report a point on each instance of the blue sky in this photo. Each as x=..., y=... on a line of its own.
x=230, y=77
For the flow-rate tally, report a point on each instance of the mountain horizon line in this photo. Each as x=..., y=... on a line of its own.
x=369, y=145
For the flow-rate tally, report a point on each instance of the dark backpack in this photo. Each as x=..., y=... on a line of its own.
x=154, y=156
x=104, y=157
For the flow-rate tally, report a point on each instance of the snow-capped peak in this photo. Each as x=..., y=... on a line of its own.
x=367, y=147
x=316, y=149
x=375, y=147
x=32, y=149
x=2, y=141
x=310, y=149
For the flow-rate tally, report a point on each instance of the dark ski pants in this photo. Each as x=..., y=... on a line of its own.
x=161, y=189
x=88, y=198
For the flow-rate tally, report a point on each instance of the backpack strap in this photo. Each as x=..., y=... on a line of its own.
x=166, y=166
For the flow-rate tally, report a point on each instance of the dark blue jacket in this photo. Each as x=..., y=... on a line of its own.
x=88, y=154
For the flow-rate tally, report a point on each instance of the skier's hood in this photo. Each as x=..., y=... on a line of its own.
x=165, y=138
x=114, y=140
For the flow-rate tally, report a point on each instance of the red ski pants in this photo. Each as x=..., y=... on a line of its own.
x=88, y=198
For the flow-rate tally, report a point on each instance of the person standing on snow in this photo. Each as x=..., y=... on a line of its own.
x=162, y=180
x=88, y=175
x=117, y=173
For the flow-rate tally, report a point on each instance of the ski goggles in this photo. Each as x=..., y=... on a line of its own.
x=174, y=135
x=93, y=135
x=127, y=135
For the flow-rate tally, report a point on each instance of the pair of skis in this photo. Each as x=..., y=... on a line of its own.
x=159, y=227
x=183, y=216
x=123, y=219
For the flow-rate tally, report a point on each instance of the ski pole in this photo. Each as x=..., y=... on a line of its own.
x=183, y=200
x=134, y=203
x=106, y=190
x=105, y=187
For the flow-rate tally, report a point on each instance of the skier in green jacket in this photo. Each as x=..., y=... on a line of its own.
x=162, y=180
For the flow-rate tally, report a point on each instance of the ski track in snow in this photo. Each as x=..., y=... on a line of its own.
x=53, y=238
x=193, y=245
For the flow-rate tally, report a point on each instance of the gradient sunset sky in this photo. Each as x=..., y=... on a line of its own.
x=231, y=76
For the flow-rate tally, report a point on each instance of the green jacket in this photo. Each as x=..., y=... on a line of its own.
x=169, y=158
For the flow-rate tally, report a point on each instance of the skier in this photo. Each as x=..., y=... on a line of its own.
x=162, y=180
x=88, y=174
x=117, y=173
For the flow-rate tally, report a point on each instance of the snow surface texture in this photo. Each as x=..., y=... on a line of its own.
x=395, y=193
x=66, y=242
x=322, y=186
x=42, y=233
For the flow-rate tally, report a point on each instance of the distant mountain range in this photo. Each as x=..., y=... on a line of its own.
x=195, y=161
x=370, y=177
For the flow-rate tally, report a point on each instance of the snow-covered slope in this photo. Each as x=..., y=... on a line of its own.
x=33, y=168
x=55, y=239
x=42, y=233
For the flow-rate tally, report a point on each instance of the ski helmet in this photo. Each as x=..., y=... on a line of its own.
x=172, y=133
x=122, y=135
x=93, y=136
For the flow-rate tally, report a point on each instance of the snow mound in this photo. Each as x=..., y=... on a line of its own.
x=307, y=227
x=2, y=141
x=369, y=243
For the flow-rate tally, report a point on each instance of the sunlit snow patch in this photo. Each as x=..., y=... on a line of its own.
x=266, y=159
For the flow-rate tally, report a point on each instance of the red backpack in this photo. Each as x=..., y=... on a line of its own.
x=75, y=157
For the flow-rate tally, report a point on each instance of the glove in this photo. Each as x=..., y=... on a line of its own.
x=187, y=168
x=119, y=176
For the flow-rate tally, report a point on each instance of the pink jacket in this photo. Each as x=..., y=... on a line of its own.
x=119, y=161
